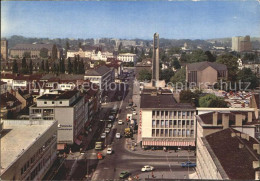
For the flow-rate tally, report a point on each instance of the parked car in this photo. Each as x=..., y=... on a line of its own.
x=103, y=135
x=147, y=168
x=109, y=150
x=124, y=174
x=107, y=130
x=118, y=135
x=134, y=113
x=109, y=125
x=99, y=156
x=120, y=122
x=188, y=164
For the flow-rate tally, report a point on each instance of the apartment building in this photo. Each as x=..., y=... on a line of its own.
x=205, y=74
x=164, y=122
x=68, y=109
x=241, y=43
x=34, y=49
x=28, y=148
x=127, y=57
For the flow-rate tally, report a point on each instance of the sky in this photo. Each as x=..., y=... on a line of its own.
x=131, y=19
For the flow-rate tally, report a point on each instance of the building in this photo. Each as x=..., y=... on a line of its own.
x=255, y=104
x=34, y=49
x=146, y=64
x=127, y=57
x=10, y=106
x=3, y=87
x=205, y=74
x=164, y=122
x=155, y=64
x=4, y=49
x=28, y=148
x=102, y=76
x=241, y=44
x=68, y=109
x=228, y=155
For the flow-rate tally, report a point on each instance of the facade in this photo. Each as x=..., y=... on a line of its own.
x=164, y=122
x=28, y=149
x=3, y=87
x=127, y=57
x=34, y=50
x=146, y=64
x=155, y=65
x=94, y=54
x=10, y=106
x=67, y=108
x=228, y=155
x=241, y=44
x=4, y=49
x=205, y=74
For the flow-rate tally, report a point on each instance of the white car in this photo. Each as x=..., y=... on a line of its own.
x=147, y=168
x=103, y=135
x=134, y=112
x=109, y=150
x=120, y=122
x=107, y=130
x=118, y=135
x=109, y=125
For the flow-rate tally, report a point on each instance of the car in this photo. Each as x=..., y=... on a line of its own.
x=111, y=117
x=109, y=125
x=120, y=122
x=124, y=174
x=134, y=112
x=188, y=164
x=147, y=168
x=118, y=135
x=109, y=150
x=107, y=130
x=99, y=156
x=103, y=135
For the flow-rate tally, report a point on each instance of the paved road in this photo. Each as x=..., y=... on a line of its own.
x=166, y=164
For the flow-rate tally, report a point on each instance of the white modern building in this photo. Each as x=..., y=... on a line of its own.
x=127, y=57
x=68, y=109
x=28, y=148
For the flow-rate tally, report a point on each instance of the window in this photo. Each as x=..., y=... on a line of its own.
x=191, y=132
x=187, y=132
x=179, y=132
x=175, y=113
x=179, y=114
x=60, y=102
x=52, y=102
x=192, y=122
x=45, y=102
x=162, y=130
x=153, y=113
x=179, y=123
x=183, y=123
x=157, y=132
x=170, y=133
x=166, y=133
x=188, y=113
x=158, y=113
x=183, y=132
x=170, y=114
x=166, y=114
x=162, y=114
x=153, y=123
x=187, y=122
x=170, y=123
x=157, y=123
x=166, y=124
x=162, y=123
x=174, y=133
x=153, y=132
x=175, y=122
x=192, y=114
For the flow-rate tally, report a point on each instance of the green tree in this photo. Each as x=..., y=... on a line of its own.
x=44, y=53
x=145, y=75
x=150, y=54
x=54, y=54
x=179, y=76
x=62, y=66
x=69, y=66
x=197, y=56
x=176, y=63
x=27, y=54
x=47, y=69
x=15, y=66
x=75, y=66
x=231, y=62
x=166, y=75
x=132, y=49
x=81, y=67
x=174, y=50
x=67, y=47
x=210, y=100
x=42, y=66
x=187, y=96
x=30, y=67
x=210, y=57
x=246, y=77
x=24, y=69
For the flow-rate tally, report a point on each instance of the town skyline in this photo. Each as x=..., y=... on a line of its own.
x=131, y=20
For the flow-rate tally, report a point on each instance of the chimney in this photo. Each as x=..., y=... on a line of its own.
x=225, y=120
x=215, y=118
x=257, y=148
x=238, y=120
x=250, y=115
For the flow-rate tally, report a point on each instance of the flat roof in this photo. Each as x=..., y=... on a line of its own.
x=18, y=137
x=66, y=95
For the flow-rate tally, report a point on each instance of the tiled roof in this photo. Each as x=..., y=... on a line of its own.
x=237, y=162
x=202, y=65
x=8, y=97
x=99, y=71
x=62, y=77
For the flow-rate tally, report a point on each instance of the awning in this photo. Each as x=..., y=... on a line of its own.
x=61, y=146
x=168, y=143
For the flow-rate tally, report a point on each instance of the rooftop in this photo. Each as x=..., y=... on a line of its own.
x=99, y=71
x=237, y=162
x=202, y=65
x=33, y=46
x=17, y=137
x=66, y=95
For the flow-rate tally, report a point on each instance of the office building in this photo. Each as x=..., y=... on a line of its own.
x=28, y=148
x=127, y=57
x=241, y=44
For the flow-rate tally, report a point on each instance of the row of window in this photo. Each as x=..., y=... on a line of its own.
x=173, y=114
x=172, y=133
x=172, y=123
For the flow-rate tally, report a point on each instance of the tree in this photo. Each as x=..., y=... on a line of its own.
x=42, y=66
x=67, y=47
x=150, y=54
x=80, y=45
x=210, y=57
x=132, y=49
x=47, y=69
x=15, y=67
x=120, y=46
x=246, y=77
x=30, y=67
x=24, y=69
x=179, y=76
x=197, y=56
x=174, y=50
x=75, y=66
x=54, y=52
x=69, y=66
x=186, y=96
x=166, y=75
x=210, y=100
x=145, y=75
x=44, y=52
x=176, y=64
x=136, y=50
x=231, y=62
x=27, y=54
x=62, y=66
x=81, y=68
